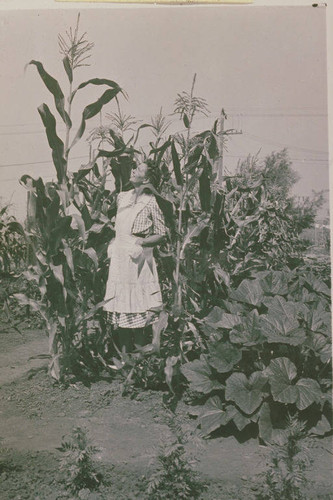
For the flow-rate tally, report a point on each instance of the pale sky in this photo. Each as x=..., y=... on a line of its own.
x=266, y=66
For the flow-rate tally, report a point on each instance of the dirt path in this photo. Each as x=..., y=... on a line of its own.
x=35, y=415
x=20, y=359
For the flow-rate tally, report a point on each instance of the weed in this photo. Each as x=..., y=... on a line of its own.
x=77, y=462
x=285, y=475
x=174, y=476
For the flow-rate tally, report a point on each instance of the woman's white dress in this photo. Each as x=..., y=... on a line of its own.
x=133, y=291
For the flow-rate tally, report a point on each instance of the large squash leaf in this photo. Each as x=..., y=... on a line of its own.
x=249, y=292
x=239, y=419
x=308, y=392
x=266, y=431
x=318, y=319
x=248, y=332
x=223, y=356
x=280, y=324
x=321, y=428
x=275, y=283
x=322, y=347
x=317, y=285
x=281, y=373
x=247, y=393
x=217, y=318
x=200, y=376
x=212, y=415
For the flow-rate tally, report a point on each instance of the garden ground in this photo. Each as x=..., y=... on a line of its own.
x=35, y=415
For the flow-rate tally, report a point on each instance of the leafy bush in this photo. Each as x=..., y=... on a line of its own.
x=77, y=462
x=268, y=354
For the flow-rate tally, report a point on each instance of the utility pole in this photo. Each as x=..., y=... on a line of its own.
x=222, y=133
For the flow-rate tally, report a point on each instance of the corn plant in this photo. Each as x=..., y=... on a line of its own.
x=13, y=242
x=71, y=220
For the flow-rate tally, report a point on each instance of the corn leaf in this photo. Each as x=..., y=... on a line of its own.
x=176, y=164
x=53, y=86
x=68, y=68
x=54, y=141
x=92, y=110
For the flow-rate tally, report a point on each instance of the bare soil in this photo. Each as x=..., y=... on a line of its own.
x=35, y=415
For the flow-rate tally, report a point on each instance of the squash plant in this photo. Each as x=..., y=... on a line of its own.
x=268, y=355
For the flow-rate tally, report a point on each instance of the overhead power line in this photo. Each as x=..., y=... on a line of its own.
x=38, y=162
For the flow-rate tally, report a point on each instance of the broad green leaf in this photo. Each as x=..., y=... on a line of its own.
x=54, y=87
x=308, y=392
x=318, y=319
x=317, y=285
x=93, y=109
x=280, y=324
x=321, y=428
x=240, y=420
x=275, y=283
x=224, y=356
x=281, y=372
x=248, y=292
x=246, y=393
x=68, y=68
x=217, y=318
x=55, y=142
x=213, y=415
x=322, y=347
x=176, y=164
x=266, y=431
x=248, y=332
x=200, y=376
x=265, y=423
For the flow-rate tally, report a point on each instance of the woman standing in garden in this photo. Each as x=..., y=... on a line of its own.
x=133, y=290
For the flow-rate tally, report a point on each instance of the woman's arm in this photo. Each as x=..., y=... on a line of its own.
x=150, y=241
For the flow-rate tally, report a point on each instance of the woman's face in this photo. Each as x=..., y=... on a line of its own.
x=139, y=174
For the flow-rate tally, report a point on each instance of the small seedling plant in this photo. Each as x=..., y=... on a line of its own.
x=285, y=476
x=174, y=476
x=77, y=462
